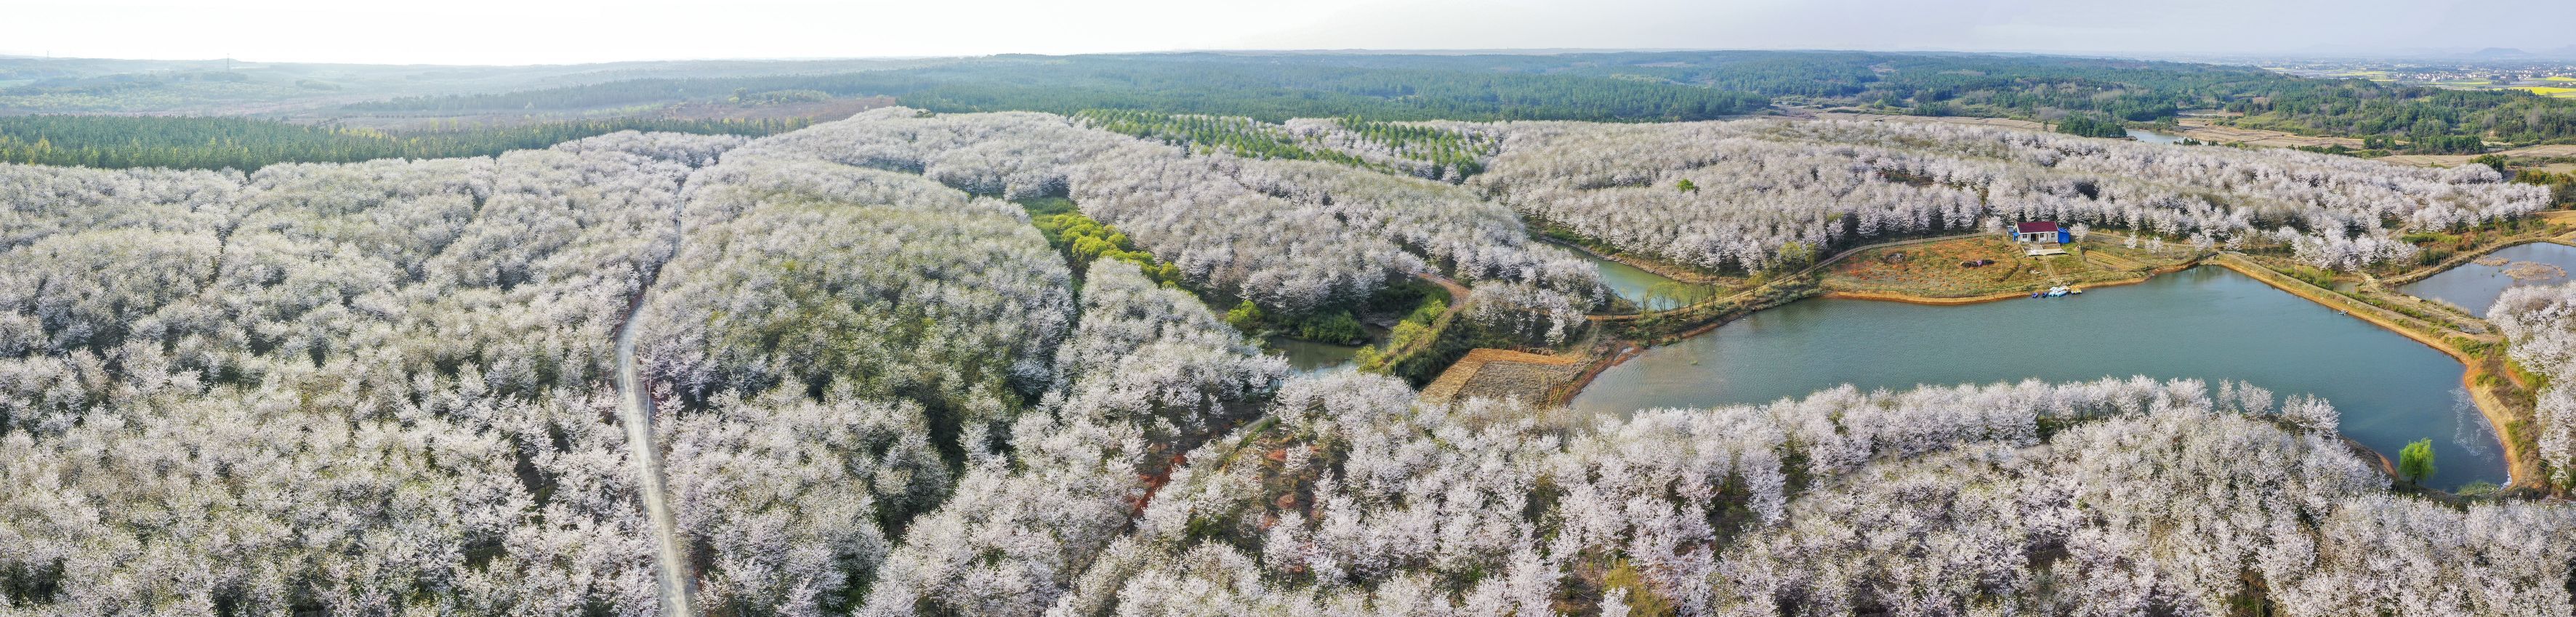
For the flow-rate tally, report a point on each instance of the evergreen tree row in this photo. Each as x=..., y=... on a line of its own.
x=1413, y=149
x=1460, y=150
x=2090, y=126
x=1238, y=136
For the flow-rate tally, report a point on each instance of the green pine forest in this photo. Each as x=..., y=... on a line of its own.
x=1267, y=88
x=1234, y=102
x=248, y=144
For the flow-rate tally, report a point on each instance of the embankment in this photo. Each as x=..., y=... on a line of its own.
x=2522, y=462
x=1896, y=296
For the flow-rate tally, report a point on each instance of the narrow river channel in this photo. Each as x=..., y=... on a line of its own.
x=1647, y=290
x=2474, y=286
x=2207, y=323
x=2154, y=137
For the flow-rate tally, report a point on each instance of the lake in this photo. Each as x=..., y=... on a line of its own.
x=2475, y=287
x=1650, y=291
x=1309, y=357
x=2154, y=137
x=2207, y=323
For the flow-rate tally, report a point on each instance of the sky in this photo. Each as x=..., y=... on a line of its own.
x=560, y=32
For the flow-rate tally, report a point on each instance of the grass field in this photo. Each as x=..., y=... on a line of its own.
x=1934, y=270
x=2550, y=91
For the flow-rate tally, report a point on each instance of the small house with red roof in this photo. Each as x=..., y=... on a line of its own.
x=2043, y=232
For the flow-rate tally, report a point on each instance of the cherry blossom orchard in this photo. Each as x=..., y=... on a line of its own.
x=389, y=387
x=1761, y=191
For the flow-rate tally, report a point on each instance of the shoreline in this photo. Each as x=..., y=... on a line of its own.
x=1898, y=296
x=1905, y=298
x=1563, y=394
x=1818, y=281
x=2521, y=469
x=2419, y=274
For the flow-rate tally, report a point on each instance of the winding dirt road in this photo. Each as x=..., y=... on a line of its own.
x=635, y=410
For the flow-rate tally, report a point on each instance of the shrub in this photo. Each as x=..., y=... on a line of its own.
x=1333, y=327
x=2314, y=276
x=1427, y=313
x=1245, y=317
x=1406, y=335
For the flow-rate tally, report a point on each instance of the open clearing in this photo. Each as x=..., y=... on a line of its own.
x=2202, y=130
x=1938, y=270
x=2454, y=160
x=1502, y=373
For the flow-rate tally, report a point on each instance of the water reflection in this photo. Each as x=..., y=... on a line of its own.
x=2475, y=286
x=1648, y=290
x=1308, y=357
x=2205, y=323
x=2154, y=137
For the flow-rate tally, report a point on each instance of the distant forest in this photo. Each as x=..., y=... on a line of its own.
x=2136, y=91
x=2088, y=96
x=1268, y=88
x=1628, y=87
x=249, y=144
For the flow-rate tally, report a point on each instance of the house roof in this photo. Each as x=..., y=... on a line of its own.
x=2034, y=227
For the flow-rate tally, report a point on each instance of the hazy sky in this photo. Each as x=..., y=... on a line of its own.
x=543, y=31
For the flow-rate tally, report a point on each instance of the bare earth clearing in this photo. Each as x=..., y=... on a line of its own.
x=1938, y=272
x=1502, y=373
x=2451, y=160
x=2204, y=131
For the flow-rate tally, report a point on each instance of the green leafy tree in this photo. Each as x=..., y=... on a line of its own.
x=2415, y=463
x=1083, y=240
x=1337, y=327
x=1797, y=255
x=2492, y=160
x=1369, y=358
x=2090, y=126
x=1245, y=317
x=1406, y=335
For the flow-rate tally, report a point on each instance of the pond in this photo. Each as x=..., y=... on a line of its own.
x=2475, y=286
x=1309, y=357
x=2154, y=137
x=2207, y=323
x=1650, y=291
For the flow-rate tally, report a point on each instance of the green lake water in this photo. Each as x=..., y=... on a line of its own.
x=2206, y=323
x=2475, y=287
x=2154, y=137
x=1308, y=357
x=1650, y=291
